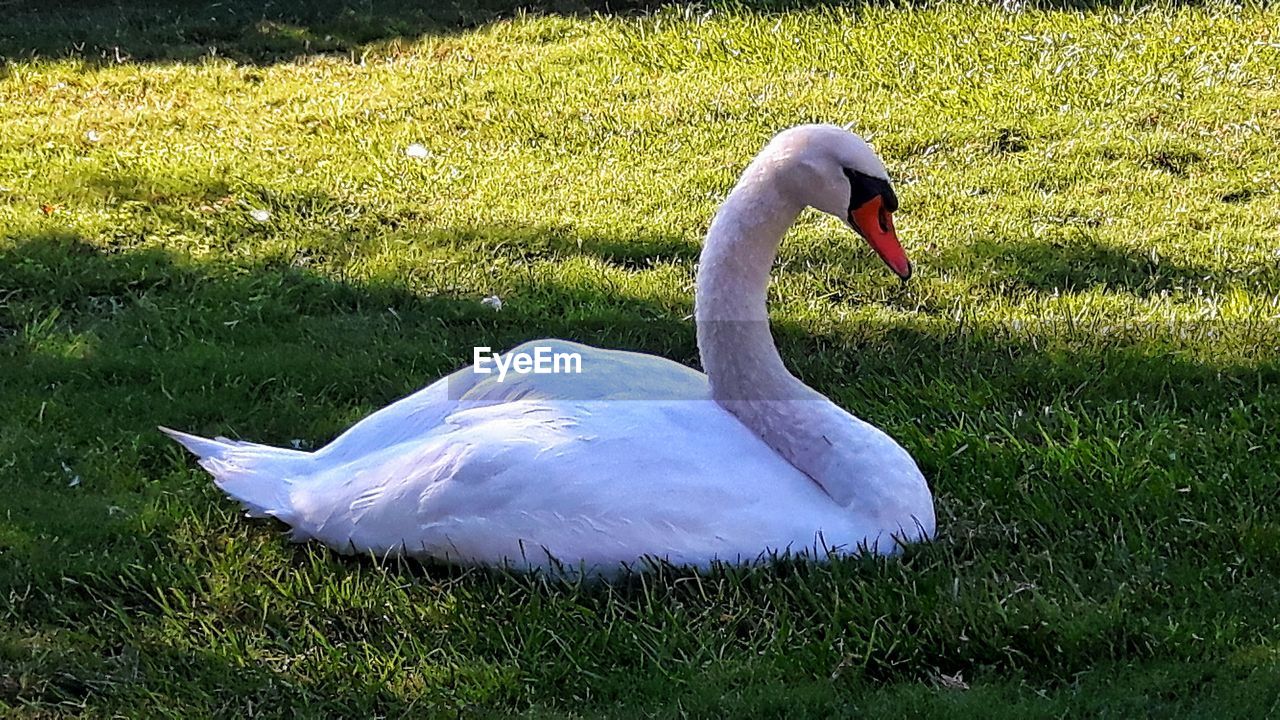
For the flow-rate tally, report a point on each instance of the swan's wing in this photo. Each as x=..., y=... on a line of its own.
x=604, y=375
x=597, y=482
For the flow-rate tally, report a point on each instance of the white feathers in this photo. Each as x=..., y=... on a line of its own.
x=628, y=459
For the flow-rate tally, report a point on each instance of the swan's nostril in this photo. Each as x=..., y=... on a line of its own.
x=884, y=220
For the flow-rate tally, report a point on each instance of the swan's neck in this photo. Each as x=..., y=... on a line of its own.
x=737, y=349
x=746, y=373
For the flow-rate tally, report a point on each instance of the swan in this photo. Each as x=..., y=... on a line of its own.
x=635, y=457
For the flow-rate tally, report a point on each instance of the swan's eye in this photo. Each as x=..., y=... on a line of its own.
x=864, y=188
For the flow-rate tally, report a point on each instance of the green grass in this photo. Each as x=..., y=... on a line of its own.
x=1085, y=365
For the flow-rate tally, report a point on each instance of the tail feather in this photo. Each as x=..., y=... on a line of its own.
x=258, y=476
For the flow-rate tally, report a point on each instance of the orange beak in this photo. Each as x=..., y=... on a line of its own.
x=875, y=225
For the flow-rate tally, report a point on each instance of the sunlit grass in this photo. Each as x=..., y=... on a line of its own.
x=1084, y=365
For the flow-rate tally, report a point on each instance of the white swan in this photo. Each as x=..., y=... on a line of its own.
x=636, y=457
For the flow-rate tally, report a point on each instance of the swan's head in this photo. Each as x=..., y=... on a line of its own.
x=833, y=170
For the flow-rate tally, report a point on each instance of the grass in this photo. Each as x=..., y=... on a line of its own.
x=1085, y=364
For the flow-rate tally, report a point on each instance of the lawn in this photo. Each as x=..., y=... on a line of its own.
x=208, y=220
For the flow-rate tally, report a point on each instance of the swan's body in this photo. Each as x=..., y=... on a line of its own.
x=634, y=457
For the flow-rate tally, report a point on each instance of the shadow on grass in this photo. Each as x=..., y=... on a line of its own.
x=112, y=290
x=255, y=32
